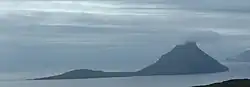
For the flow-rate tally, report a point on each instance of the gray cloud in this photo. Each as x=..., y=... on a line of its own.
x=204, y=37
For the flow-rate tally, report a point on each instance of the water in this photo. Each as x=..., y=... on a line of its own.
x=238, y=70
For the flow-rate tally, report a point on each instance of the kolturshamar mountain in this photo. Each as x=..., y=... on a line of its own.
x=183, y=59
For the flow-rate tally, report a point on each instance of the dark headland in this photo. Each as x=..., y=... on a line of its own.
x=230, y=83
x=183, y=59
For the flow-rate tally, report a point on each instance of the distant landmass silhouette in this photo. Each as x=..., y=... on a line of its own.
x=242, y=57
x=183, y=59
x=230, y=83
x=86, y=73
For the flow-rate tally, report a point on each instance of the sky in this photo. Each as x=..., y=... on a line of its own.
x=115, y=35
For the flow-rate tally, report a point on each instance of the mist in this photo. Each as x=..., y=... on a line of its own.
x=62, y=35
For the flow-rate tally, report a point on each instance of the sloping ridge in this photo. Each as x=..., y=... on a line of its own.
x=184, y=59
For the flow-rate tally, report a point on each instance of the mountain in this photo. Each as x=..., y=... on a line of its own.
x=231, y=83
x=183, y=59
x=242, y=57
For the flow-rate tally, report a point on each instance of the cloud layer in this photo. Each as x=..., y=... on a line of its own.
x=39, y=35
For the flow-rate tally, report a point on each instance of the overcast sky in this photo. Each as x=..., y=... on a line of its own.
x=115, y=35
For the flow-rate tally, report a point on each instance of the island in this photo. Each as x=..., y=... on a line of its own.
x=242, y=57
x=183, y=59
x=86, y=73
x=230, y=83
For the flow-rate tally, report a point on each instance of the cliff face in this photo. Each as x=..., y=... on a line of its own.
x=184, y=59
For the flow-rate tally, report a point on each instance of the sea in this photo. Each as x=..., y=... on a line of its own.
x=238, y=70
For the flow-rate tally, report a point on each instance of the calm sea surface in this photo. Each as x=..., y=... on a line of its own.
x=238, y=70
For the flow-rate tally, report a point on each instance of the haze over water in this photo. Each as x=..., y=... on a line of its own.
x=40, y=38
x=237, y=70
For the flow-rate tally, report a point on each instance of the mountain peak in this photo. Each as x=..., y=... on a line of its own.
x=187, y=58
x=189, y=44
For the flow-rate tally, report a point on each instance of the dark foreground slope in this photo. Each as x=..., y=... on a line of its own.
x=183, y=59
x=230, y=83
